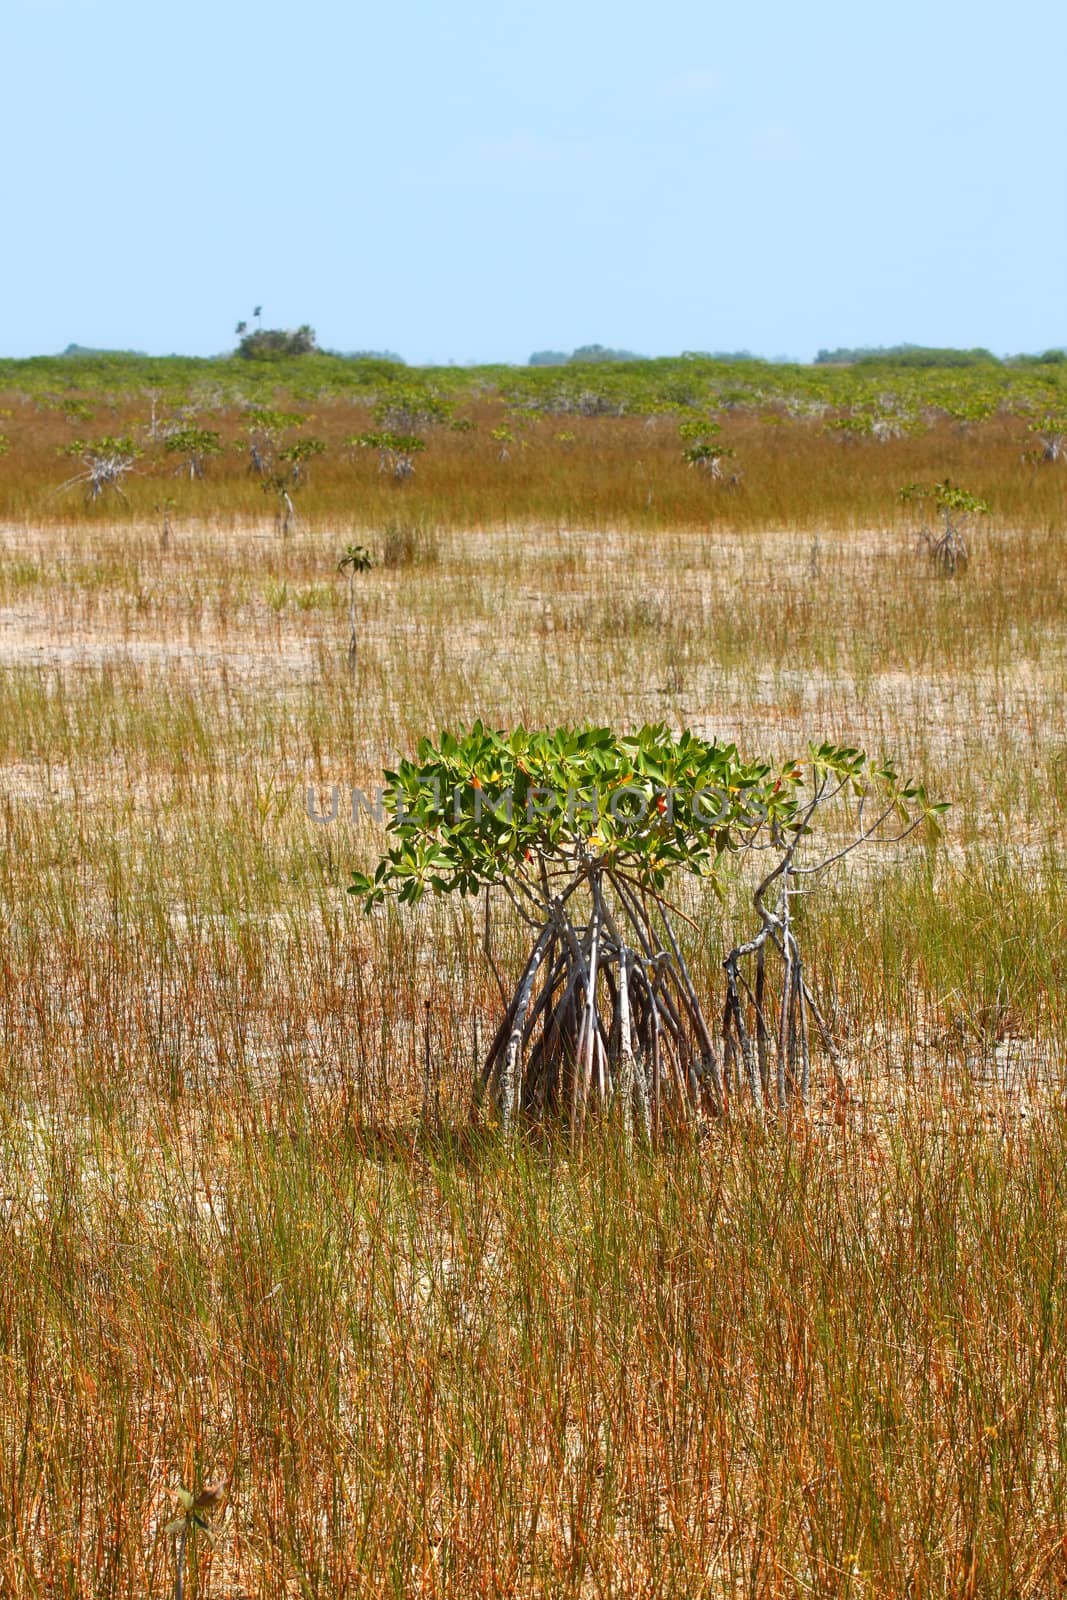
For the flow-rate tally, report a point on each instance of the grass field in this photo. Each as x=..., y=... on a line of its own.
x=238, y=1239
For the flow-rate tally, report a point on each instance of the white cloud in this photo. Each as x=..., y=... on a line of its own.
x=532, y=152
x=695, y=83
x=775, y=144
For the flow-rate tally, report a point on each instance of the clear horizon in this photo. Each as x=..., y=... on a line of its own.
x=473, y=186
x=322, y=348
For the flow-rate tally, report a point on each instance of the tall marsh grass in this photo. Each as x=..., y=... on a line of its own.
x=779, y=1364
x=605, y=472
x=239, y=1238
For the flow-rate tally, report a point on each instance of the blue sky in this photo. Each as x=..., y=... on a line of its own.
x=477, y=181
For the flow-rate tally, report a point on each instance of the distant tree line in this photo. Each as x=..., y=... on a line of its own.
x=585, y=355
x=919, y=355
x=368, y=355
x=92, y=350
x=278, y=344
x=903, y=355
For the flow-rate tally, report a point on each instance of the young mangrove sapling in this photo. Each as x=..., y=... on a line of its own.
x=584, y=832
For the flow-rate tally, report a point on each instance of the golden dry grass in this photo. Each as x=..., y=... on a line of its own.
x=560, y=471
x=827, y=1359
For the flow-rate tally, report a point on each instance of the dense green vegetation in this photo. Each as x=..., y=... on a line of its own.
x=908, y=377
